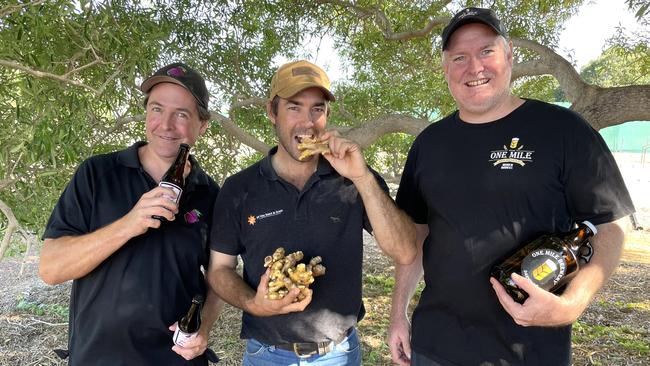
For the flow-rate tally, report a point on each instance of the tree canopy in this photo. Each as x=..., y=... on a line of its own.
x=70, y=71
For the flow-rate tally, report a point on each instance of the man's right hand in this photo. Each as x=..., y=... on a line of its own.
x=152, y=203
x=261, y=306
x=399, y=340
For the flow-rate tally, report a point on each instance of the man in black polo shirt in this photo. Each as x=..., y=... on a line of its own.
x=134, y=276
x=483, y=181
x=319, y=206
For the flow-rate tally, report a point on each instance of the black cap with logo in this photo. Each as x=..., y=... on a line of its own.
x=472, y=15
x=180, y=74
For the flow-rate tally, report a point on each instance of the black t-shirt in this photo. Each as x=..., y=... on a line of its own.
x=257, y=212
x=484, y=190
x=120, y=312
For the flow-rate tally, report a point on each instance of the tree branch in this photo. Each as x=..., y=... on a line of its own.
x=385, y=25
x=13, y=8
x=369, y=132
x=551, y=63
x=12, y=225
x=47, y=75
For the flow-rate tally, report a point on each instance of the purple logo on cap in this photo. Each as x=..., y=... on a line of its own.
x=176, y=71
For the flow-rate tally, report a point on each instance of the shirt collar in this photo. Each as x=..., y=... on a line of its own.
x=267, y=171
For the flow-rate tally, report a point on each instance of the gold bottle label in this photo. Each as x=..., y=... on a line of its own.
x=544, y=267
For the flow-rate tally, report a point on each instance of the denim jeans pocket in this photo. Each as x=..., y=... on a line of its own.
x=254, y=348
x=350, y=343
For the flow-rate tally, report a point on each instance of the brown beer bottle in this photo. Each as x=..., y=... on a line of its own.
x=190, y=323
x=173, y=178
x=549, y=261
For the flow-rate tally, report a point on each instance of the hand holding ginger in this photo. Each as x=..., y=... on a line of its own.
x=286, y=273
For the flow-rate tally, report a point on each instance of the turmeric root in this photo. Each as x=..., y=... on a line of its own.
x=286, y=273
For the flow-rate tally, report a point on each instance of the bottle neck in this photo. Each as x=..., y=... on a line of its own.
x=579, y=236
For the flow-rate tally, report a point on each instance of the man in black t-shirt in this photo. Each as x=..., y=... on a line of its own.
x=481, y=182
x=133, y=275
x=319, y=205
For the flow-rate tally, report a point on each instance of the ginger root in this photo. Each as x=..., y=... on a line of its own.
x=287, y=273
x=312, y=146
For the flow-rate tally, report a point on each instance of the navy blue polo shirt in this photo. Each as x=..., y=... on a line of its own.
x=120, y=311
x=258, y=211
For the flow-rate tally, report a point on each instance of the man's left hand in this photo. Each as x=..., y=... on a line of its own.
x=193, y=347
x=345, y=156
x=541, y=308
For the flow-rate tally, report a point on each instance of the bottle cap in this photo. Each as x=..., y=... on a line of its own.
x=197, y=299
x=591, y=227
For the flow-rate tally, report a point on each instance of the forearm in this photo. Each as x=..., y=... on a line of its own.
x=230, y=287
x=211, y=310
x=72, y=257
x=608, y=246
x=407, y=277
x=392, y=228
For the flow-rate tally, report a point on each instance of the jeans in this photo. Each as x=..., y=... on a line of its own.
x=346, y=353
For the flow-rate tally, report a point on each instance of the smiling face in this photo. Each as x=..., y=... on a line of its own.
x=172, y=119
x=478, y=67
x=302, y=115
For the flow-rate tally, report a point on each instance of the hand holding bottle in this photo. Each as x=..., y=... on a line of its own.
x=193, y=346
x=150, y=204
x=541, y=308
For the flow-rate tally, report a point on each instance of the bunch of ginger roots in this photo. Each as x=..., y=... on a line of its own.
x=287, y=273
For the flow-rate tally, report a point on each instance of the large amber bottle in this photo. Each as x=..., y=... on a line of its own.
x=174, y=178
x=190, y=323
x=549, y=261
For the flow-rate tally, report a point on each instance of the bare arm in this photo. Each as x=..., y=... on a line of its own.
x=392, y=228
x=211, y=310
x=71, y=257
x=543, y=308
x=225, y=281
x=407, y=278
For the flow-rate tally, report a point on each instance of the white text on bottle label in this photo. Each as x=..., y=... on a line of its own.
x=545, y=267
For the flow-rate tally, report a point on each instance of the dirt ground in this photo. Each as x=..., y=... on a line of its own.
x=33, y=316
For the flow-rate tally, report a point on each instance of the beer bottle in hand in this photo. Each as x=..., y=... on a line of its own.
x=549, y=261
x=189, y=324
x=174, y=178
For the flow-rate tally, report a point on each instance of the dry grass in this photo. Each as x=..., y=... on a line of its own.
x=613, y=331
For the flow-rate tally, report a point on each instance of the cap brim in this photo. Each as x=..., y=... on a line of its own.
x=465, y=21
x=297, y=88
x=155, y=80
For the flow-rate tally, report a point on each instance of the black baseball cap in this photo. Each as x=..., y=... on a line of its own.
x=472, y=15
x=180, y=74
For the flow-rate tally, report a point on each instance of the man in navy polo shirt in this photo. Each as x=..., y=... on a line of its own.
x=319, y=206
x=134, y=276
x=480, y=183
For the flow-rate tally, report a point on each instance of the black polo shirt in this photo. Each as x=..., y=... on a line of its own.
x=257, y=211
x=120, y=312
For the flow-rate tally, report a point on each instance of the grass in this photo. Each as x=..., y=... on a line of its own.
x=623, y=336
x=57, y=311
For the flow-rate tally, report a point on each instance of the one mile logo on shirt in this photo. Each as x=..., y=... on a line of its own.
x=511, y=155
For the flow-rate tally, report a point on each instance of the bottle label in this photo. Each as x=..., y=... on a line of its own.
x=180, y=338
x=544, y=267
x=178, y=190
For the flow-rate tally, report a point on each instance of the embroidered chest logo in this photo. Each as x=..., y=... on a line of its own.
x=252, y=219
x=192, y=217
x=511, y=155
